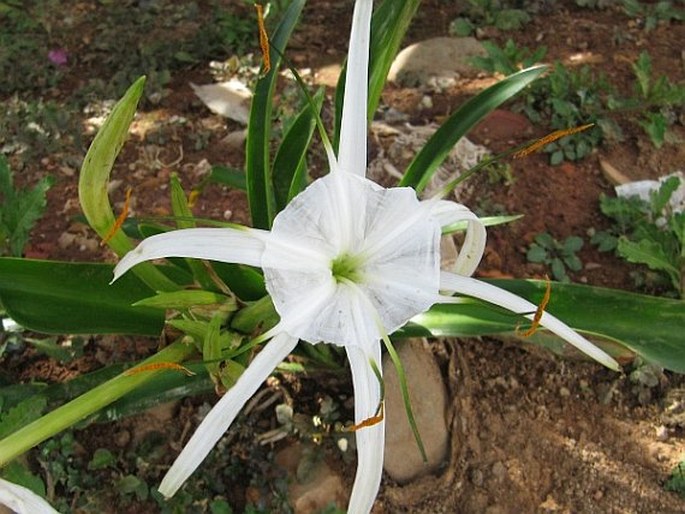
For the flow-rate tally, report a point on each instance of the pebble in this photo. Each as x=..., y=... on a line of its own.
x=661, y=433
x=476, y=476
x=440, y=57
x=564, y=392
x=403, y=462
x=499, y=470
x=321, y=487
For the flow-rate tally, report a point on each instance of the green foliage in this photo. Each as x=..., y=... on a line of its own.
x=509, y=59
x=655, y=100
x=596, y=4
x=481, y=13
x=21, y=415
x=676, y=482
x=24, y=46
x=567, y=98
x=571, y=98
x=165, y=48
x=20, y=209
x=648, y=232
x=558, y=256
x=651, y=14
x=72, y=349
x=37, y=128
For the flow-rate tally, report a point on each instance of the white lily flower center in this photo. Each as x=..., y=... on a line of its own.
x=346, y=236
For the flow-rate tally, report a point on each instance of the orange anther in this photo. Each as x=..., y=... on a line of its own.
x=192, y=198
x=155, y=366
x=538, y=313
x=263, y=38
x=368, y=422
x=549, y=138
x=120, y=220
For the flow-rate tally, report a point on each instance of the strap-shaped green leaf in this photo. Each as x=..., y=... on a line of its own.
x=228, y=176
x=94, y=179
x=646, y=325
x=438, y=147
x=260, y=192
x=75, y=298
x=185, y=219
x=89, y=403
x=289, y=172
x=388, y=26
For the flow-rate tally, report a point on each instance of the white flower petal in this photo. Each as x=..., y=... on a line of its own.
x=224, y=412
x=393, y=238
x=471, y=252
x=239, y=246
x=492, y=294
x=370, y=440
x=446, y=212
x=22, y=500
x=353, y=129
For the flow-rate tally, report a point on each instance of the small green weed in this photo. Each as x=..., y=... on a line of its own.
x=656, y=101
x=567, y=98
x=509, y=59
x=558, y=256
x=571, y=98
x=20, y=209
x=651, y=14
x=481, y=13
x=676, y=482
x=648, y=232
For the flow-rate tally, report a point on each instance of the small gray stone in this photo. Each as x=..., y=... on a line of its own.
x=428, y=396
x=438, y=58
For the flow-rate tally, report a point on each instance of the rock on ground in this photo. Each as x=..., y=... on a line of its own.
x=440, y=57
x=428, y=395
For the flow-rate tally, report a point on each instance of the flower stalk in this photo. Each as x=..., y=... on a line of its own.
x=88, y=403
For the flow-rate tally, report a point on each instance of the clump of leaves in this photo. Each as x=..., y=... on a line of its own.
x=508, y=59
x=676, y=482
x=648, y=232
x=558, y=256
x=655, y=99
x=12, y=419
x=20, y=209
x=651, y=14
x=36, y=128
x=481, y=13
x=570, y=98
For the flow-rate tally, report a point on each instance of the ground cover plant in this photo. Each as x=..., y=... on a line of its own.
x=223, y=310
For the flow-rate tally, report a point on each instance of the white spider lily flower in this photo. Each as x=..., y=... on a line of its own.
x=22, y=500
x=346, y=262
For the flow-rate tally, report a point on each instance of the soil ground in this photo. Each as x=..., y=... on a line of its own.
x=530, y=432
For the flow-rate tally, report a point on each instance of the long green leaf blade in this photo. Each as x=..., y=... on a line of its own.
x=437, y=148
x=87, y=404
x=260, y=193
x=75, y=298
x=94, y=179
x=289, y=171
x=647, y=325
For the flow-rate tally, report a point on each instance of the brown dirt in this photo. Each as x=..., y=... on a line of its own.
x=530, y=433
